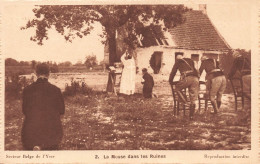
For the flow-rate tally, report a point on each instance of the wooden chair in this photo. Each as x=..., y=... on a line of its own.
x=203, y=97
x=116, y=79
x=115, y=73
x=237, y=86
x=176, y=103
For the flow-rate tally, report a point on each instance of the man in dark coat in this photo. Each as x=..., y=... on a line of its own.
x=189, y=79
x=216, y=81
x=148, y=84
x=243, y=66
x=42, y=106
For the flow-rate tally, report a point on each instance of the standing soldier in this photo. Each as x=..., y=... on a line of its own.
x=189, y=79
x=242, y=65
x=215, y=81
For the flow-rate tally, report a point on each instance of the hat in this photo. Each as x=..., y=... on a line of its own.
x=42, y=69
x=236, y=54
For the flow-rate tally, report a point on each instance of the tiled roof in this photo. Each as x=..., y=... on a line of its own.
x=197, y=32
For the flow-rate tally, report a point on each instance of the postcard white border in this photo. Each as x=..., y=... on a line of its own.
x=172, y=156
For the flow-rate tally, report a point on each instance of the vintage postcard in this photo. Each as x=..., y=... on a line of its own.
x=129, y=81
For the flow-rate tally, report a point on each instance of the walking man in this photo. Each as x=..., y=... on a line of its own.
x=243, y=66
x=189, y=79
x=42, y=106
x=215, y=81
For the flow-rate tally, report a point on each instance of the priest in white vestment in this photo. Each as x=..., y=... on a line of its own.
x=127, y=84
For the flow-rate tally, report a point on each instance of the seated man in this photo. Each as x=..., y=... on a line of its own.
x=148, y=84
x=189, y=79
x=243, y=66
x=215, y=81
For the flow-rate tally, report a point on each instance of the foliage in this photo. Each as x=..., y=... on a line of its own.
x=11, y=62
x=77, y=87
x=77, y=21
x=91, y=61
x=150, y=34
x=79, y=63
x=33, y=64
x=14, y=86
x=226, y=59
x=102, y=62
x=65, y=64
x=24, y=63
x=245, y=53
x=20, y=70
x=54, y=68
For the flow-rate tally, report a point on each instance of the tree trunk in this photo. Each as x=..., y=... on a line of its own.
x=112, y=58
x=112, y=48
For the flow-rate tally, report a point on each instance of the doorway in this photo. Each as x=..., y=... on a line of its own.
x=156, y=61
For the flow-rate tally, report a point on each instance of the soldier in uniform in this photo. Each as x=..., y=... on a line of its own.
x=189, y=79
x=42, y=107
x=242, y=65
x=215, y=81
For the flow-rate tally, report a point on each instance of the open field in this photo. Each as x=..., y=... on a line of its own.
x=99, y=121
x=23, y=70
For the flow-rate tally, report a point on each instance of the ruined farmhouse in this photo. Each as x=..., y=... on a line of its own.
x=195, y=37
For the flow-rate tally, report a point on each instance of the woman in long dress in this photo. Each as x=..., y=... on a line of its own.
x=127, y=84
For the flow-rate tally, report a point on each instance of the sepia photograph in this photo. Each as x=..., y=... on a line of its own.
x=127, y=77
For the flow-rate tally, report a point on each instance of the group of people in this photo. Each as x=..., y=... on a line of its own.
x=127, y=83
x=43, y=102
x=43, y=105
x=215, y=79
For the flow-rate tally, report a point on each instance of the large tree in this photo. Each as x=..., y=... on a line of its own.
x=91, y=60
x=77, y=21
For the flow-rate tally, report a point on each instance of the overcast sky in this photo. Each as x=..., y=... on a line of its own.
x=232, y=22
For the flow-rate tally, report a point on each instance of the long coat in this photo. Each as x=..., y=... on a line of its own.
x=148, y=85
x=42, y=106
x=127, y=84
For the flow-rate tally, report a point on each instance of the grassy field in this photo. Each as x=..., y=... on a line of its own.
x=104, y=122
